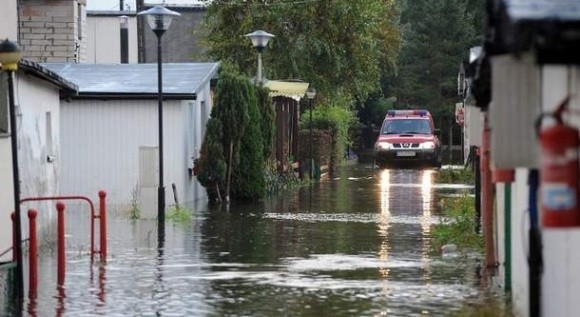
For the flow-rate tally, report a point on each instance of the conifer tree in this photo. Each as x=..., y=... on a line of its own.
x=231, y=109
x=248, y=180
x=211, y=162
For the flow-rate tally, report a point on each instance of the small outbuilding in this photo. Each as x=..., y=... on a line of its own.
x=109, y=131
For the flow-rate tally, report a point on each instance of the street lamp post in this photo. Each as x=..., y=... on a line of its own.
x=259, y=41
x=159, y=18
x=124, y=34
x=9, y=57
x=310, y=94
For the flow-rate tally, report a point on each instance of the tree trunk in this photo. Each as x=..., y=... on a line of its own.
x=229, y=173
x=217, y=190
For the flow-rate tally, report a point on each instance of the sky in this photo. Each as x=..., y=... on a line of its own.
x=130, y=4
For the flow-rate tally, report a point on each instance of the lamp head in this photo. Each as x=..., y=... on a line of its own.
x=10, y=55
x=159, y=18
x=310, y=93
x=260, y=39
x=124, y=21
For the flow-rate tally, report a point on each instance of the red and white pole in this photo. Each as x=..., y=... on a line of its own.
x=33, y=256
x=61, y=261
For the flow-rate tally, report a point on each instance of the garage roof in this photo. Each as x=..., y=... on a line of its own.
x=180, y=80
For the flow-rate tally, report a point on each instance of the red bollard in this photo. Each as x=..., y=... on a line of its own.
x=103, y=224
x=14, y=238
x=33, y=256
x=61, y=262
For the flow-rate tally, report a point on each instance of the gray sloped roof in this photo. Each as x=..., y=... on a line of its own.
x=35, y=69
x=180, y=80
x=543, y=10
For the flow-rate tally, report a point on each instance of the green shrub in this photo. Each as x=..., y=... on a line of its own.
x=267, y=120
x=211, y=163
x=321, y=146
x=179, y=214
x=276, y=182
x=486, y=307
x=455, y=176
x=336, y=118
x=460, y=227
x=248, y=181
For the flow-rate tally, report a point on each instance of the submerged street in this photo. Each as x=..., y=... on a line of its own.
x=354, y=245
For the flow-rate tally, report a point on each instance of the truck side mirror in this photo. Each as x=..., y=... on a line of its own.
x=438, y=132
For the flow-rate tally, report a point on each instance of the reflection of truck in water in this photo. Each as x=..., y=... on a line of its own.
x=408, y=136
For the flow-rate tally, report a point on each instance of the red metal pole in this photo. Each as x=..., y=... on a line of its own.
x=33, y=256
x=487, y=198
x=103, y=224
x=14, y=238
x=60, y=243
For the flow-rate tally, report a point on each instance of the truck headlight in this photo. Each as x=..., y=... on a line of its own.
x=428, y=145
x=384, y=146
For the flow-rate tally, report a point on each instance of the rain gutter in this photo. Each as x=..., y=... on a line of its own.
x=129, y=96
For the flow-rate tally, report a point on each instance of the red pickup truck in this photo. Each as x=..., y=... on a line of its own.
x=408, y=136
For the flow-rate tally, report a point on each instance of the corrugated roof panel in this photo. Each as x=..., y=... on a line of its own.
x=178, y=78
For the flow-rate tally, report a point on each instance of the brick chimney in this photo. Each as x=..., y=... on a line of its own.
x=53, y=30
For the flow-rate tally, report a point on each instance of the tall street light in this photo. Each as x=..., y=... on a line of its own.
x=259, y=41
x=124, y=35
x=159, y=18
x=310, y=94
x=9, y=57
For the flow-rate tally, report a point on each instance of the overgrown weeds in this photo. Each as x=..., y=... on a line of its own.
x=134, y=210
x=455, y=176
x=275, y=183
x=459, y=226
x=179, y=214
x=487, y=307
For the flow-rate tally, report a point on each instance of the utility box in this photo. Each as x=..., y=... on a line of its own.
x=515, y=106
x=472, y=129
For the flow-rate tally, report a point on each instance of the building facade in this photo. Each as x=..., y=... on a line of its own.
x=109, y=132
x=53, y=30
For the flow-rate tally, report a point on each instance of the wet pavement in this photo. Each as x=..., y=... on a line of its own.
x=354, y=245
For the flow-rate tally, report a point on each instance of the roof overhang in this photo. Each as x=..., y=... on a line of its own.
x=128, y=96
x=549, y=28
x=289, y=89
x=36, y=70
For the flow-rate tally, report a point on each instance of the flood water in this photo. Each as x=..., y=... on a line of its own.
x=354, y=245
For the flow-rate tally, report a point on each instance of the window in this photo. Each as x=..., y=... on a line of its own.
x=407, y=126
x=4, y=126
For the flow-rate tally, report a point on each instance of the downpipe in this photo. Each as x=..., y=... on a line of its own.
x=535, y=260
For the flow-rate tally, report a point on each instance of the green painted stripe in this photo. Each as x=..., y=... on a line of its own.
x=508, y=237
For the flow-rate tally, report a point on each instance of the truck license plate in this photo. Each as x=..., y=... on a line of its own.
x=406, y=153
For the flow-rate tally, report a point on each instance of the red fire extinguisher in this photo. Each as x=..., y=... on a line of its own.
x=559, y=172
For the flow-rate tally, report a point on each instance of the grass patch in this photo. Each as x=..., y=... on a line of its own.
x=179, y=215
x=134, y=211
x=487, y=307
x=459, y=229
x=455, y=176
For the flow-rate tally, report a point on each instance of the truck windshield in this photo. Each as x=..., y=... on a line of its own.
x=406, y=126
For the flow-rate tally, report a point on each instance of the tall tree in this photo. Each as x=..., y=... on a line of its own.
x=231, y=109
x=331, y=44
x=211, y=162
x=437, y=36
x=248, y=180
x=267, y=121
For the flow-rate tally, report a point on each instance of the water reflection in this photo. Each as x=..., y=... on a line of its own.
x=426, y=190
x=355, y=245
x=383, y=224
